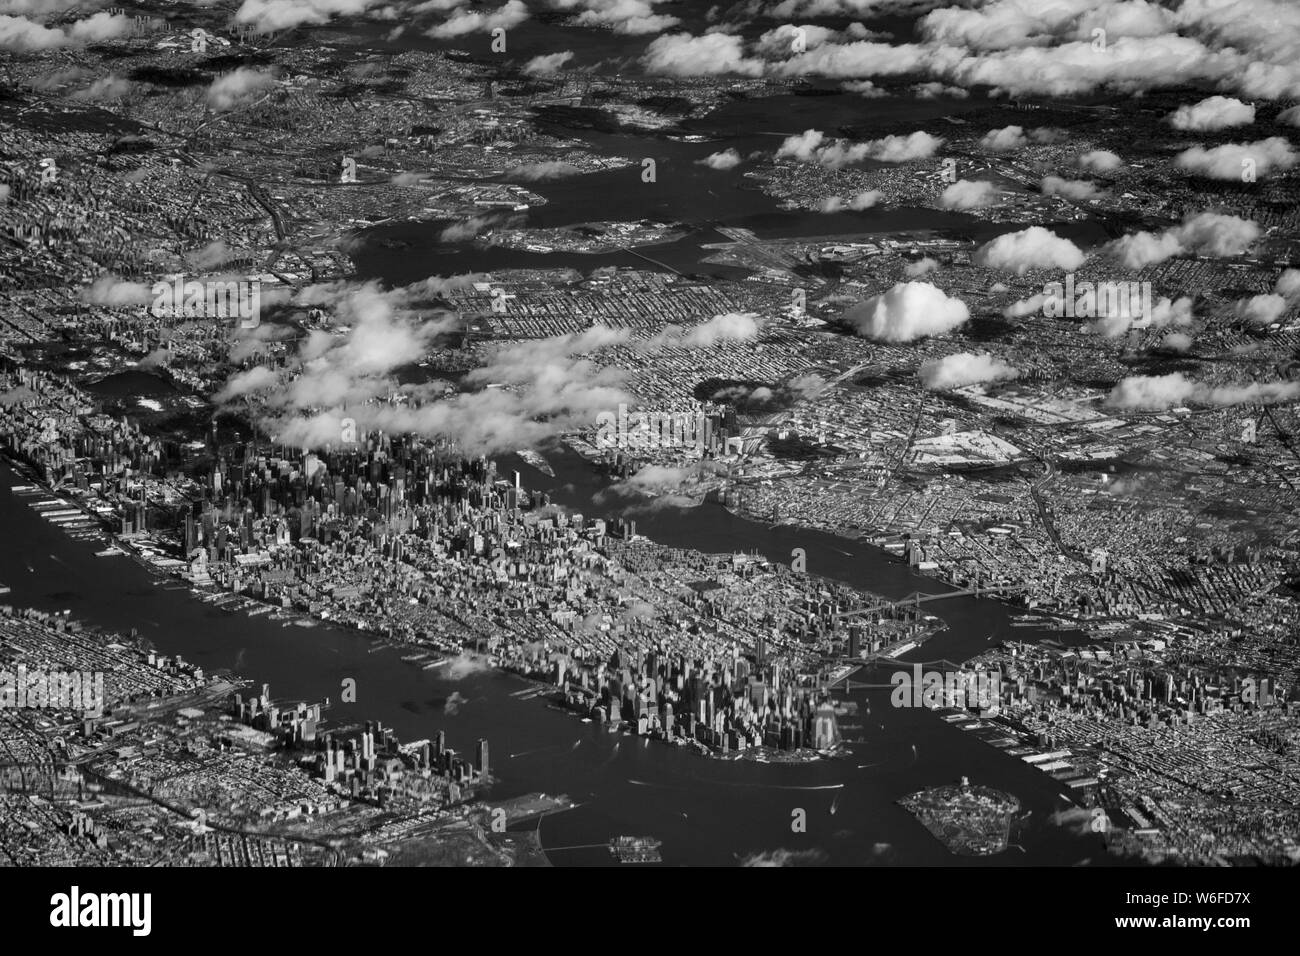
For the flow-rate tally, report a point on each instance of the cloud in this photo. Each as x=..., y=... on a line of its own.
x=462, y=22
x=1145, y=248
x=680, y=54
x=863, y=200
x=842, y=8
x=538, y=172
x=1288, y=283
x=1048, y=135
x=1255, y=393
x=438, y=286
x=103, y=90
x=1212, y=113
x=1120, y=312
x=865, y=89
x=666, y=477
x=462, y=666
x=731, y=327
x=259, y=378
x=1262, y=309
x=727, y=159
x=921, y=267
x=111, y=291
x=1025, y=307
x=527, y=392
x=853, y=61
x=1290, y=116
x=328, y=370
x=630, y=17
x=230, y=90
x=639, y=610
x=215, y=253
x=547, y=64
x=779, y=43
x=934, y=90
x=1032, y=248
x=468, y=228
x=743, y=393
x=18, y=34
x=1076, y=189
x=1098, y=161
x=1232, y=161
x=1151, y=392
x=101, y=26
x=58, y=79
x=1206, y=233
x=1004, y=140
x=1076, y=819
x=807, y=384
x=967, y=194
x=267, y=16
x=964, y=368
x=251, y=342
x=409, y=178
x=901, y=149
x=1075, y=67
x=1172, y=312
x=438, y=6
x=810, y=146
x=1007, y=24
x=1176, y=342
x=1161, y=392
x=381, y=337
x=908, y=311
x=802, y=146
x=1020, y=47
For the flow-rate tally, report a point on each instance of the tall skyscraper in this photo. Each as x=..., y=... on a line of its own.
x=825, y=727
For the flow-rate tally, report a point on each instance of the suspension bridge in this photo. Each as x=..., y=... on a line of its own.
x=916, y=599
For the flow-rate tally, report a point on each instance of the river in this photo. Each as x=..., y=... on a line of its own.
x=705, y=811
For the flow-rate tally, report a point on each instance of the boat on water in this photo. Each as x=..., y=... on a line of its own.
x=634, y=849
x=537, y=461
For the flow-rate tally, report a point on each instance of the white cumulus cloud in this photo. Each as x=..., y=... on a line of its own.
x=908, y=311
x=1205, y=233
x=547, y=64
x=1234, y=161
x=726, y=159
x=967, y=194
x=1032, y=248
x=964, y=368
x=1211, y=113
